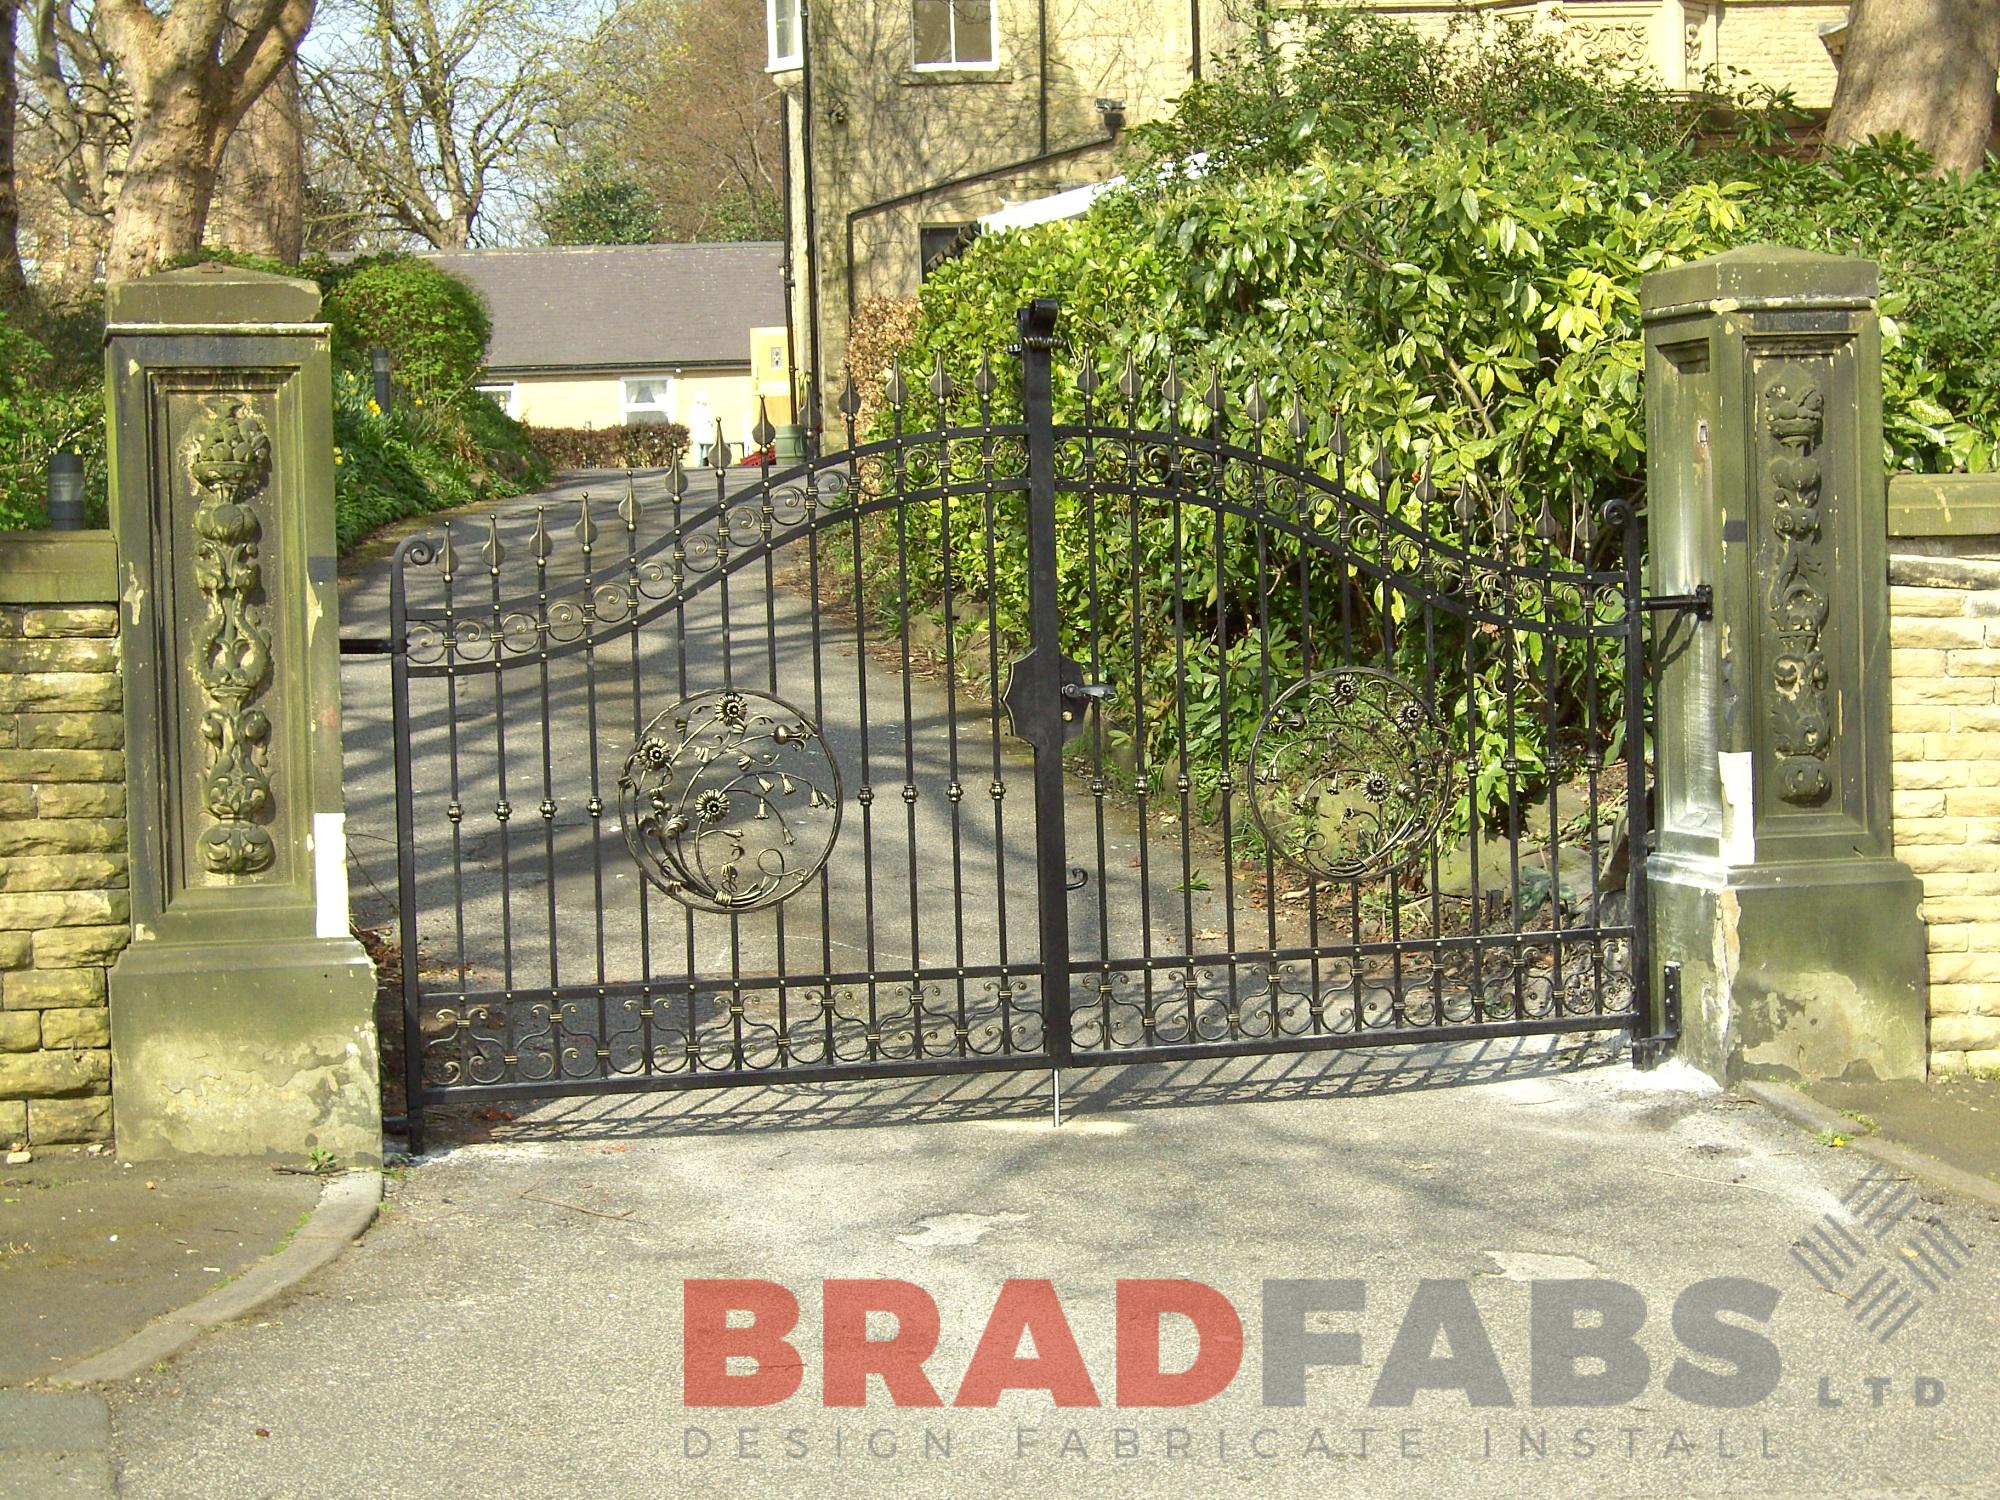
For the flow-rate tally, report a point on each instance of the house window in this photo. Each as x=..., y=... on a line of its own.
x=781, y=18
x=648, y=398
x=503, y=394
x=938, y=243
x=953, y=33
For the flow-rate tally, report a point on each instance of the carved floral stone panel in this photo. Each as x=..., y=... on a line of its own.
x=1790, y=430
x=228, y=460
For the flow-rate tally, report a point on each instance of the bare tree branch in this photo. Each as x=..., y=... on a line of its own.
x=431, y=102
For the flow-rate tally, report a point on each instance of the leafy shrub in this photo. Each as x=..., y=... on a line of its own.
x=1333, y=79
x=415, y=459
x=1469, y=304
x=1447, y=249
x=1938, y=242
x=38, y=416
x=432, y=323
x=642, y=445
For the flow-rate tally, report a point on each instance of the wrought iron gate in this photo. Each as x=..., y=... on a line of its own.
x=722, y=782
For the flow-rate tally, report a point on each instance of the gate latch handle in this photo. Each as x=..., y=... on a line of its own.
x=1087, y=691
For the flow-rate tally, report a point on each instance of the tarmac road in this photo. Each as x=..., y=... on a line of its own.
x=513, y=1325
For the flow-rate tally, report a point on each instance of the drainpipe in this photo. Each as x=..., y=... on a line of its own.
x=1042, y=76
x=813, y=382
x=1194, y=40
x=791, y=284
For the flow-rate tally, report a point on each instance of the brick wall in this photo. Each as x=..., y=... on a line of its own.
x=1944, y=658
x=64, y=913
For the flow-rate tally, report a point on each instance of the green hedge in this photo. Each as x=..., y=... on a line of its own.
x=640, y=445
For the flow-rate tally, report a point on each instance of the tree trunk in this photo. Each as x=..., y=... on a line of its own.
x=13, y=285
x=1925, y=69
x=169, y=179
x=260, y=189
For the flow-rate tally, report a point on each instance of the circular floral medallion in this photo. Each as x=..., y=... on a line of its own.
x=1350, y=773
x=730, y=801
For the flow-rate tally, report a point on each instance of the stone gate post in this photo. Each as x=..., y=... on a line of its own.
x=1772, y=885
x=242, y=1011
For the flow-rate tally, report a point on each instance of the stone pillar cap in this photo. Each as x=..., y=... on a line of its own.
x=212, y=293
x=1754, y=276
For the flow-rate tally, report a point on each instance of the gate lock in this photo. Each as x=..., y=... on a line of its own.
x=1085, y=692
x=1048, y=713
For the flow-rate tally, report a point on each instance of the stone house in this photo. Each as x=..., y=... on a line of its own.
x=927, y=115
x=603, y=336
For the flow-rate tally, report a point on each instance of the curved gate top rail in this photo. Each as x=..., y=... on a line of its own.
x=709, y=783
x=490, y=601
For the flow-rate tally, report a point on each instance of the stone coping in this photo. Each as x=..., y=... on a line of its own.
x=58, y=567
x=1944, y=505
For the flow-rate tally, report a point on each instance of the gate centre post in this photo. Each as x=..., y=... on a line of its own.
x=1034, y=693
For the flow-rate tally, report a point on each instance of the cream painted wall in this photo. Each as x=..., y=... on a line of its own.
x=730, y=401
x=551, y=401
x=599, y=400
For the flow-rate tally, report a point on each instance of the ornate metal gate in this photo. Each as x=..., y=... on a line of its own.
x=698, y=789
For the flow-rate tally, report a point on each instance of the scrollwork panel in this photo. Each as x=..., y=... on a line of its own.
x=1799, y=552
x=225, y=627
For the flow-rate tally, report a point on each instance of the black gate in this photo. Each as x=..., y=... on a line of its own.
x=1013, y=744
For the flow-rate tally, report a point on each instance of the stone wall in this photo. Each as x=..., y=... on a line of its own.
x=64, y=911
x=1779, y=43
x=1944, y=600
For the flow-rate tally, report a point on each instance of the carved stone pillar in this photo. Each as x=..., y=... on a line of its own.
x=1772, y=886
x=242, y=1013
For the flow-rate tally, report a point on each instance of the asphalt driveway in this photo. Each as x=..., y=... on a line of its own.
x=513, y=1325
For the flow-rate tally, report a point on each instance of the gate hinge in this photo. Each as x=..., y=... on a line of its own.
x=366, y=645
x=1700, y=603
x=1650, y=1051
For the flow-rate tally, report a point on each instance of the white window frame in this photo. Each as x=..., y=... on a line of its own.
x=506, y=392
x=664, y=407
x=955, y=65
x=782, y=60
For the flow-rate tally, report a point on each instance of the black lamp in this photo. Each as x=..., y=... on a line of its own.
x=65, y=491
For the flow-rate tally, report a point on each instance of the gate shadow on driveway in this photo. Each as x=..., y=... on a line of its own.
x=1088, y=1094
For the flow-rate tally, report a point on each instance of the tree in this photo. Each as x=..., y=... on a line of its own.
x=430, y=107
x=12, y=282
x=260, y=187
x=77, y=128
x=597, y=202
x=193, y=68
x=674, y=94
x=1921, y=68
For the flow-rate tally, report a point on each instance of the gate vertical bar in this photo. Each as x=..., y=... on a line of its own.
x=406, y=853
x=1637, y=829
x=1037, y=325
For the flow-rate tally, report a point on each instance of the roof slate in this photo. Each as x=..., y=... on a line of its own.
x=624, y=306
